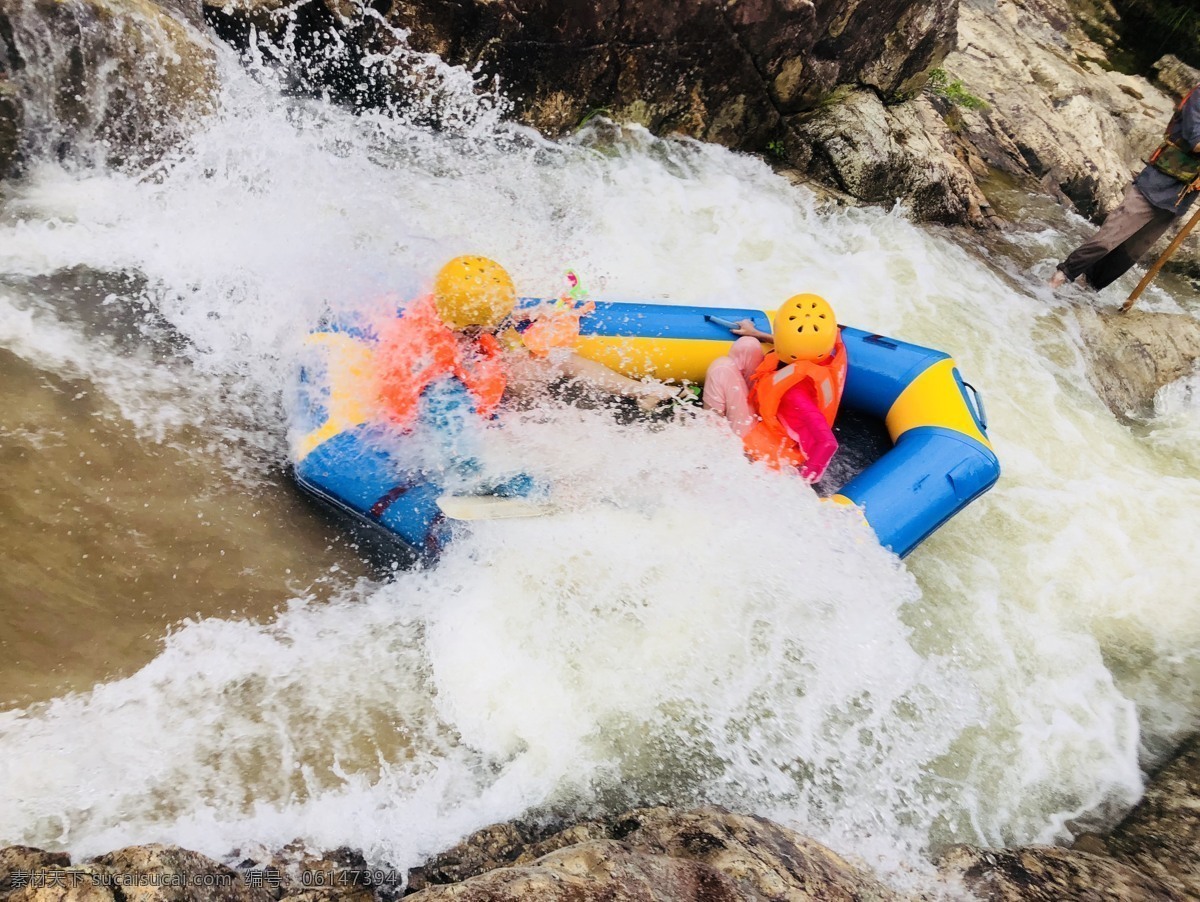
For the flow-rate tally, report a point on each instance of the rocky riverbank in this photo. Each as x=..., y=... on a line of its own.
x=661, y=854
x=916, y=102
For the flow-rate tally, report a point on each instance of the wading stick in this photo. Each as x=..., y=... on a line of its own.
x=1158, y=264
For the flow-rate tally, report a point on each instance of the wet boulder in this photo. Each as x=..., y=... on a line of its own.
x=18, y=863
x=743, y=74
x=884, y=154
x=724, y=72
x=602, y=870
x=100, y=80
x=1049, y=872
x=10, y=127
x=80, y=883
x=1132, y=355
x=651, y=853
x=1153, y=855
x=158, y=873
x=1175, y=76
x=484, y=850
x=1161, y=836
x=298, y=874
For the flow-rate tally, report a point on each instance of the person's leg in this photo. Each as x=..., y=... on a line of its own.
x=1133, y=214
x=747, y=353
x=1112, y=266
x=648, y=394
x=727, y=387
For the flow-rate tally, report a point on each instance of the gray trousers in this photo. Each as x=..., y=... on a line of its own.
x=1129, y=231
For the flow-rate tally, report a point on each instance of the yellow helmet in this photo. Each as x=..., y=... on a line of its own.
x=805, y=329
x=473, y=291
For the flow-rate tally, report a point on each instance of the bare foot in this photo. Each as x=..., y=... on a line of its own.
x=652, y=399
x=657, y=394
x=647, y=403
x=1058, y=280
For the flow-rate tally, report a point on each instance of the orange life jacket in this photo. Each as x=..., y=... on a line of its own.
x=555, y=327
x=417, y=348
x=768, y=440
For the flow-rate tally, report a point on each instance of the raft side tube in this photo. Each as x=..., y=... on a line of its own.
x=667, y=342
x=880, y=369
x=942, y=459
x=928, y=477
x=353, y=471
x=648, y=320
x=375, y=542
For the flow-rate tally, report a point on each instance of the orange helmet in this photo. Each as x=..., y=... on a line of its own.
x=473, y=291
x=805, y=329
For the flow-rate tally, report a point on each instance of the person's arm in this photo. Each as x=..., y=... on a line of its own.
x=805, y=424
x=1189, y=121
x=747, y=327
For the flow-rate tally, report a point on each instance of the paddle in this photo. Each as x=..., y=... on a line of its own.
x=491, y=507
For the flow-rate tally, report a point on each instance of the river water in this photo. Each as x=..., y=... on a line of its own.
x=191, y=654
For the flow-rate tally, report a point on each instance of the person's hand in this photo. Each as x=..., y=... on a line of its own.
x=811, y=474
x=745, y=327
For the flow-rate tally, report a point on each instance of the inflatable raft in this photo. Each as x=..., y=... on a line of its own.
x=935, y=461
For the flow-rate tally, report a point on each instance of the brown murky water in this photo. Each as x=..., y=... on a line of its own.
x=108, y=539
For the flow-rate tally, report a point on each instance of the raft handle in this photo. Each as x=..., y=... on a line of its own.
x=980, y=413
x=723, y=323
x=881, y=341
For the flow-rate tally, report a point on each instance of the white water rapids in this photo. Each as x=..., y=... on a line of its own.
x=694, y=630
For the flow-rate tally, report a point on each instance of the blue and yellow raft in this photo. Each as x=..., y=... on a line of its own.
x=937, y=458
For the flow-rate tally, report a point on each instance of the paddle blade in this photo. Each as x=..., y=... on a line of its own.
x=490, y=507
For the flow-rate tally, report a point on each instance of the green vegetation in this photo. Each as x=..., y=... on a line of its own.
x=776, y=149
x=836, y=96
x=592, y=114
x=939, y=85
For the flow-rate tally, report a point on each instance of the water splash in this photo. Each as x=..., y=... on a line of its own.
x=621, y=653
